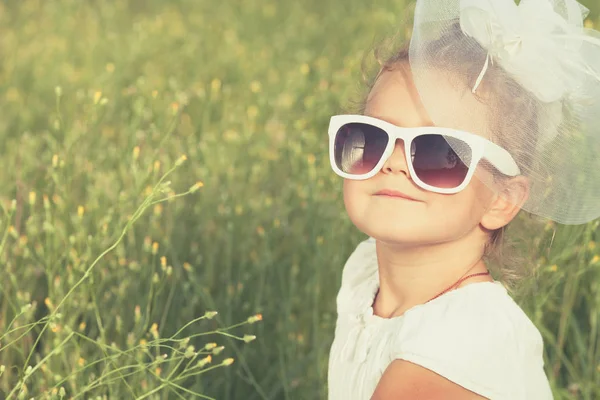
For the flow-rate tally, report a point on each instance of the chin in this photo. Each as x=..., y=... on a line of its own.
x=408, y=226
x=406, y=229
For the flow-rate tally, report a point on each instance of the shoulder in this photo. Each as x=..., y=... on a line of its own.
x=476, y=336
x=473, y=317
x=403, y=379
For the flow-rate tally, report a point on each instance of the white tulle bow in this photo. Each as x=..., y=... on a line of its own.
x=538, y=42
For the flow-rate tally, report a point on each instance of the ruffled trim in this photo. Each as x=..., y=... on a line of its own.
x=360, y=282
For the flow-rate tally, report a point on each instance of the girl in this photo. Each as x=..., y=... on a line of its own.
x=489, y=111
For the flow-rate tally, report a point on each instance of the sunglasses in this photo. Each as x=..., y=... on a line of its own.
x=440, y=160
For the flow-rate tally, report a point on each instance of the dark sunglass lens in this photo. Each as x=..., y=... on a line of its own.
x=359, y=147
x=441, y=161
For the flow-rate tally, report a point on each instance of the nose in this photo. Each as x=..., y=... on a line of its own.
x=396, y=163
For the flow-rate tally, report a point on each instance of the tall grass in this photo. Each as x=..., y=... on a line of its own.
x=100, y=101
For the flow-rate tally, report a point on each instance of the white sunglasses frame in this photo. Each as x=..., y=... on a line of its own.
x=480, y=148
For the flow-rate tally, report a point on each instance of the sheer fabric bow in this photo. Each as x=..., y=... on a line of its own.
x=539, y=42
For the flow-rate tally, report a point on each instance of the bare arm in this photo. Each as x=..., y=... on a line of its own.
x=405, y=380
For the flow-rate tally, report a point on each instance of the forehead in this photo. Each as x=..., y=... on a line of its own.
x=395, y=98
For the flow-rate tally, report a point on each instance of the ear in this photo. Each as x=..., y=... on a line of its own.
x=507, y=203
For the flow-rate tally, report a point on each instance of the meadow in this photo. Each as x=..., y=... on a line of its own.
x=170, y=225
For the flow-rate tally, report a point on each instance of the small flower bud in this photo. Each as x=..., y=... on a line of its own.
x=190, y=352
x=147, y=243
x=218, y=350
x=204, y=361
x=210, y=314
x=210, y=346
x=97, y=96
x=254, y=318
x=184, y=342
x=227, y=361
x=180, y=160
x=249, y=338
x=137, y=314
x=154, y=330
x=196, y=186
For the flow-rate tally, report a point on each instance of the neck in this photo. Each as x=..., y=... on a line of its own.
x=409, y=276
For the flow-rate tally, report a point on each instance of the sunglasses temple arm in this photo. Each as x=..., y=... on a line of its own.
x=501, y=159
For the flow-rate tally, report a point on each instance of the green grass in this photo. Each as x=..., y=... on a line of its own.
x=101, y=99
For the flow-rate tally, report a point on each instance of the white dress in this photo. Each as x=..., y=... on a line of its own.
x=475, y=336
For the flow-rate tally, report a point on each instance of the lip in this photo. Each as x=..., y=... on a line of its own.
x=395, y=194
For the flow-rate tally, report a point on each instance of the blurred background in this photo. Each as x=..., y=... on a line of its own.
x=231, y=100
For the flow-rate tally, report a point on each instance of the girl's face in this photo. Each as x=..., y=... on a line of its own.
x=426, y=218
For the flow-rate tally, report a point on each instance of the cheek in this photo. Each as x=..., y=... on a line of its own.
x=360, y=208
x=354, y=198
x=463, y=210
x=457, y=211
x=480, y=193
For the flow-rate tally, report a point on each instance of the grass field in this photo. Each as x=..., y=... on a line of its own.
x=166, y=159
